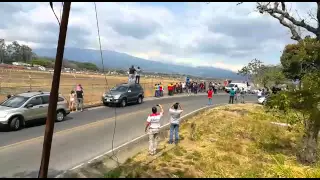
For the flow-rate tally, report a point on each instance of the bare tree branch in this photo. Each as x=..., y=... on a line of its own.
x=286, y=15
x=311, y=15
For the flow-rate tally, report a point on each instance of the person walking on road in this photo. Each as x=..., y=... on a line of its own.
x=232, y=94
x=79, y=93
x=175, y=114
x=210, y=92
x=153, y=127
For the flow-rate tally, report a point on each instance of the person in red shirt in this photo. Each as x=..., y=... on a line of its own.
x=210, y=92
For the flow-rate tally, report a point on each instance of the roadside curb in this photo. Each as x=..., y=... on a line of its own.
x=99, y=165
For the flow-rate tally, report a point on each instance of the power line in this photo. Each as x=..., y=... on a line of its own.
x=51, y=5
x=115, y=109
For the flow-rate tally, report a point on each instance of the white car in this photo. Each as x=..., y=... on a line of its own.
x=239, y=85
x=262, y=100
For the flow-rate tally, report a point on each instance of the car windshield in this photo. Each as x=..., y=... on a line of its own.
x=15, y=101
x=120, y=88
x=231, y=85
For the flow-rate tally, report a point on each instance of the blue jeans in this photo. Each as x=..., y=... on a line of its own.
x=175, y=128
x=210, y=101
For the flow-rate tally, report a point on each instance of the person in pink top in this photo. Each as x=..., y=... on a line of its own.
x=210, y=92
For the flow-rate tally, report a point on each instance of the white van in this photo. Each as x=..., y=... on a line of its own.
x=239, y=85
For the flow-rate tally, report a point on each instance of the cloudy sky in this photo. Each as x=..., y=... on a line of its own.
x=217, y=34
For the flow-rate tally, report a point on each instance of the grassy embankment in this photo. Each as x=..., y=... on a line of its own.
x=229, y=141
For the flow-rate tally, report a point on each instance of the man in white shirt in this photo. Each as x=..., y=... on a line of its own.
x=175, y=114
x=138, y=71
x=153, y=127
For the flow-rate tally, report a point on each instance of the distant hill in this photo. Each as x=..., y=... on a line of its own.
x=118, y=60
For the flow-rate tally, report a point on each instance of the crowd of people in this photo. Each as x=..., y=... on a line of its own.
x=189, y=87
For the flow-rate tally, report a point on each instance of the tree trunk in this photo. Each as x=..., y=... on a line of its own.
x=309, y=145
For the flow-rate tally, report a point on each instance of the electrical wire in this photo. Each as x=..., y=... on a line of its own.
x=115, y=109
x=51, y=5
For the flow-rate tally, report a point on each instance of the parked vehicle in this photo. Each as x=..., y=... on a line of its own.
x=123, y=94
x=239, y=85
x=20, y=108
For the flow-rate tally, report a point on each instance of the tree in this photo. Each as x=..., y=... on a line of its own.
x=2, y=50
x=300, y=61
x=301, y=58
x=252, y=69
x=306, y=102
x=262, y=74
x=279, y=11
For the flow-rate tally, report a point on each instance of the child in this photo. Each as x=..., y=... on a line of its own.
x=72, y=96
x=210, y=92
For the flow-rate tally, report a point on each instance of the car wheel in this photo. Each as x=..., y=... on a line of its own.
x=139, y=101
x=60, y=115
x=15, y=123
x=123, y=103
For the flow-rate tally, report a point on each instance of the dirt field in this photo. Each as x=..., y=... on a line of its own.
x=18, y=81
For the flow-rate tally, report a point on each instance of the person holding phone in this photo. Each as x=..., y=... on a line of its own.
x=153, y=127
x=175, y=113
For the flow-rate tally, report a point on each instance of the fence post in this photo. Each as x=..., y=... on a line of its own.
x=30, y=79
x=92, y=93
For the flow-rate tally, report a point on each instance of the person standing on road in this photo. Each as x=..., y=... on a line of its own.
x=72, y=100
x=153, y=127
x=160, y=90
x=242, y=94
x=210, y=92
x=155, y=90
x=79, y=93
x=232, y=94
x=175, y=114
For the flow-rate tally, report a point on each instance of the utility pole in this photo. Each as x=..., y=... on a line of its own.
x=43, y=172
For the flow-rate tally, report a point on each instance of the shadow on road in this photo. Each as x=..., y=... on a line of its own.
x=34, y=174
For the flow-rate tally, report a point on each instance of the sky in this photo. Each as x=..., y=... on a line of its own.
x=218, y=34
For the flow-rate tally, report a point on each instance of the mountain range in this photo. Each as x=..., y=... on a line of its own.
x=119, y=60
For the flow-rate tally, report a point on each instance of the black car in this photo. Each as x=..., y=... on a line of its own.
x=124, y=94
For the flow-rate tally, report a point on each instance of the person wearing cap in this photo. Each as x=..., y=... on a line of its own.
x=175, y=114
x=153, y=127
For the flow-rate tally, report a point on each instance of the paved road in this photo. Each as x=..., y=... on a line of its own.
x=82, y=136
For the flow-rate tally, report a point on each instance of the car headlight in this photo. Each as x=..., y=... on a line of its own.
x=116, y=96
